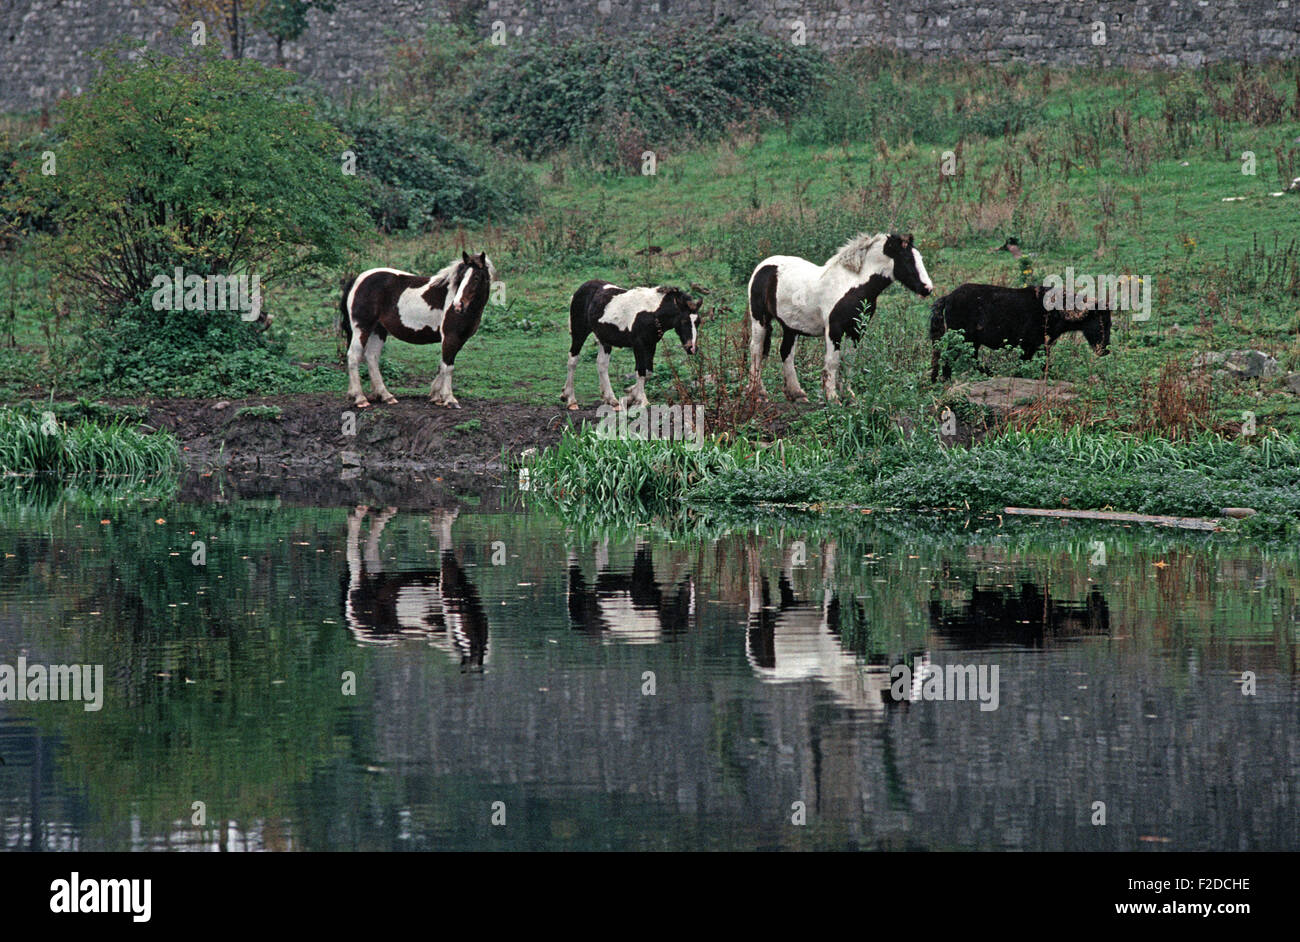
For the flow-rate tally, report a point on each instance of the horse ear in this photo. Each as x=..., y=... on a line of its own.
x=464, y=256
x=694, y=305
x=482, y=258
x=907, y=240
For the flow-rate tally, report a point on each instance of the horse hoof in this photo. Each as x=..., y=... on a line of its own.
x=391, y=400
x=363, y=403
x=573, y=407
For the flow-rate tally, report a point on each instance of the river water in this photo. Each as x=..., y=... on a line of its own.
x=282, y=676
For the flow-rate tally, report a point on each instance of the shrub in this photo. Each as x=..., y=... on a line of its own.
x=543, y=95
x=25, y=212
x=228, y=175
x=182, y=353
x=416, y=176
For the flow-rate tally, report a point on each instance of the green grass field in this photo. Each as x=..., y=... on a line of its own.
x=1106, y=180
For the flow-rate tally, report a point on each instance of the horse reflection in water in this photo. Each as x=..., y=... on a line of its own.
x=791, y=640
x=1003, y=616
x=632, y=606
x=439, y=605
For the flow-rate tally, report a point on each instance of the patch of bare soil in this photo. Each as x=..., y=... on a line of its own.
x=320, y=432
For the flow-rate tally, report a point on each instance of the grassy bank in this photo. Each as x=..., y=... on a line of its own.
x=842, y=464
x=40, y=443
x=1168, y=176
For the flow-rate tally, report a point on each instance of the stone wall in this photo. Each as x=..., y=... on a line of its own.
x=44, y=43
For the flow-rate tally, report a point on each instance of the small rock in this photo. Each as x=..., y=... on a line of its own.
x=1240, y=364
x=223, y=404
x=1241, y=513
x=1292, y=383
x=1002, y=394
x=350, y=458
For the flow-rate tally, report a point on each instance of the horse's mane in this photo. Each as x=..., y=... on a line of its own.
x=853, y=253
x=446, y=275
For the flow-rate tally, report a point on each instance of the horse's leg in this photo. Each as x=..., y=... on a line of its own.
x=374, y=346
x=636, y=392
x=831, y=370
x=440, y=523
x=793, y=391
x=440, y=391
x=355, y=349
x=575, y=347
x=602, y=370
x=757, y=348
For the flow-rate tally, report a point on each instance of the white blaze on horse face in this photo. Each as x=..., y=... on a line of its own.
x=460, y=290
x=622, y=310
x=921, y=272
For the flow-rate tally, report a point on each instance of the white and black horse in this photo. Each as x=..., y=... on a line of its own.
x=627, y=317
x=445, y=308
x=810, y=300
x=440, y=606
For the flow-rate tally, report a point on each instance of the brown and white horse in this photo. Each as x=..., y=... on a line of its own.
x=445, y=308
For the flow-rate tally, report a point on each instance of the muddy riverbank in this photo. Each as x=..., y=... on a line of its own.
x=317, y=433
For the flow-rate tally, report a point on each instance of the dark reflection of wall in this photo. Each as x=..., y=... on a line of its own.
x=439, y=605
x=636, y=603
x=1024, y=617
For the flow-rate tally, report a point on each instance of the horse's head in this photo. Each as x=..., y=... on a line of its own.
x=1086, y=317
x=680, y=312
x=908, y=268
x=472, y=282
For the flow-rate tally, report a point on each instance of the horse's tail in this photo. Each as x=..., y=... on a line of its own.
x=762, y=301
x=579, y=328
x=345, y=322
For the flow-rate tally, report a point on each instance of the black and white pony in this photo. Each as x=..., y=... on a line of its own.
x=440, y=606
x=810, y=300
x=627, y=317
x=445, y=308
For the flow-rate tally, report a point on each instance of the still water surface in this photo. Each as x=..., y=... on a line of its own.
x=500, y=657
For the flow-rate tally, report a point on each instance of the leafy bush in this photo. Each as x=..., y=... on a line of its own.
x=228, y=175
x=612, y=96
x=416, y=176
x=182, y=353
x=25, y=212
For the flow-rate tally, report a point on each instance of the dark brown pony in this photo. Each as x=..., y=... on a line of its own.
x=383, y=302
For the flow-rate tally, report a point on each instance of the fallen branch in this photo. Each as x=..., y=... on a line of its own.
x=1186, y=523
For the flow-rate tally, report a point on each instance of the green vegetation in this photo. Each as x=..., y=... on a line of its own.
x=837, y=461
x=259, y=412
x=416, y=177
x=1106, y=171
x=224, y=175
x=44, y=445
